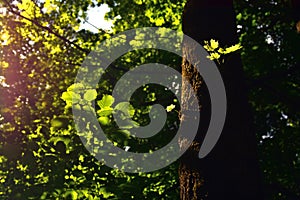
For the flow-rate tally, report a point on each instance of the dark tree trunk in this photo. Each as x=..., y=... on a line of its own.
x=230, y=171
x=295, y=4
x=296, y=9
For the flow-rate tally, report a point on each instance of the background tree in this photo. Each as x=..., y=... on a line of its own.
x=271, y=44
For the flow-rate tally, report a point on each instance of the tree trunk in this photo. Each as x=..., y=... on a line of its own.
x=231, y=170
x=296, y=13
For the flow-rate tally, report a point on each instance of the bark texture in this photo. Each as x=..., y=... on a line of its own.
x=231, y=170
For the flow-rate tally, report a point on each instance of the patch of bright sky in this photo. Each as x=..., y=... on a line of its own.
x=2, y=82
x=96, y=19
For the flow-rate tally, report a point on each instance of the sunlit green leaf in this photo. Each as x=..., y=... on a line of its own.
x=170, y=107
x=126, y=108
x=105, y=112
x=104, y=120
x=90, y=95
x=106, y=101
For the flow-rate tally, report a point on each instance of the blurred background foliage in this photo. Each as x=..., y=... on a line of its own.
x=42, y=47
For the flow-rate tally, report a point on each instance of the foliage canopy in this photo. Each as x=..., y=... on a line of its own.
x=42, y=47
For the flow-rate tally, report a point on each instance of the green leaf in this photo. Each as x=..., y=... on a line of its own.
x=71, y=194
x=126, y=108
x=57, y=139
x=104, y=120
x=104, y=193
x=70, y=97
x=232, y=48
x=66, y=96
x=214, y=56
x=170, y=107
x=106, y=101
x=90, y=95
x=76, y=86
x=128, y=124
x=56, y=123
x=105, y=112
x=239, y=16
x=214, y=44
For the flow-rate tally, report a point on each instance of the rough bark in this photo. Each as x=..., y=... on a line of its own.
x=231, y=170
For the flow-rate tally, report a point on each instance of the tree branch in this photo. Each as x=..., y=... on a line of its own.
x=11, y=9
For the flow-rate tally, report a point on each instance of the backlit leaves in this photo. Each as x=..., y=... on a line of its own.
x=106, y=101
x=216, y=52
x=90, y=95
